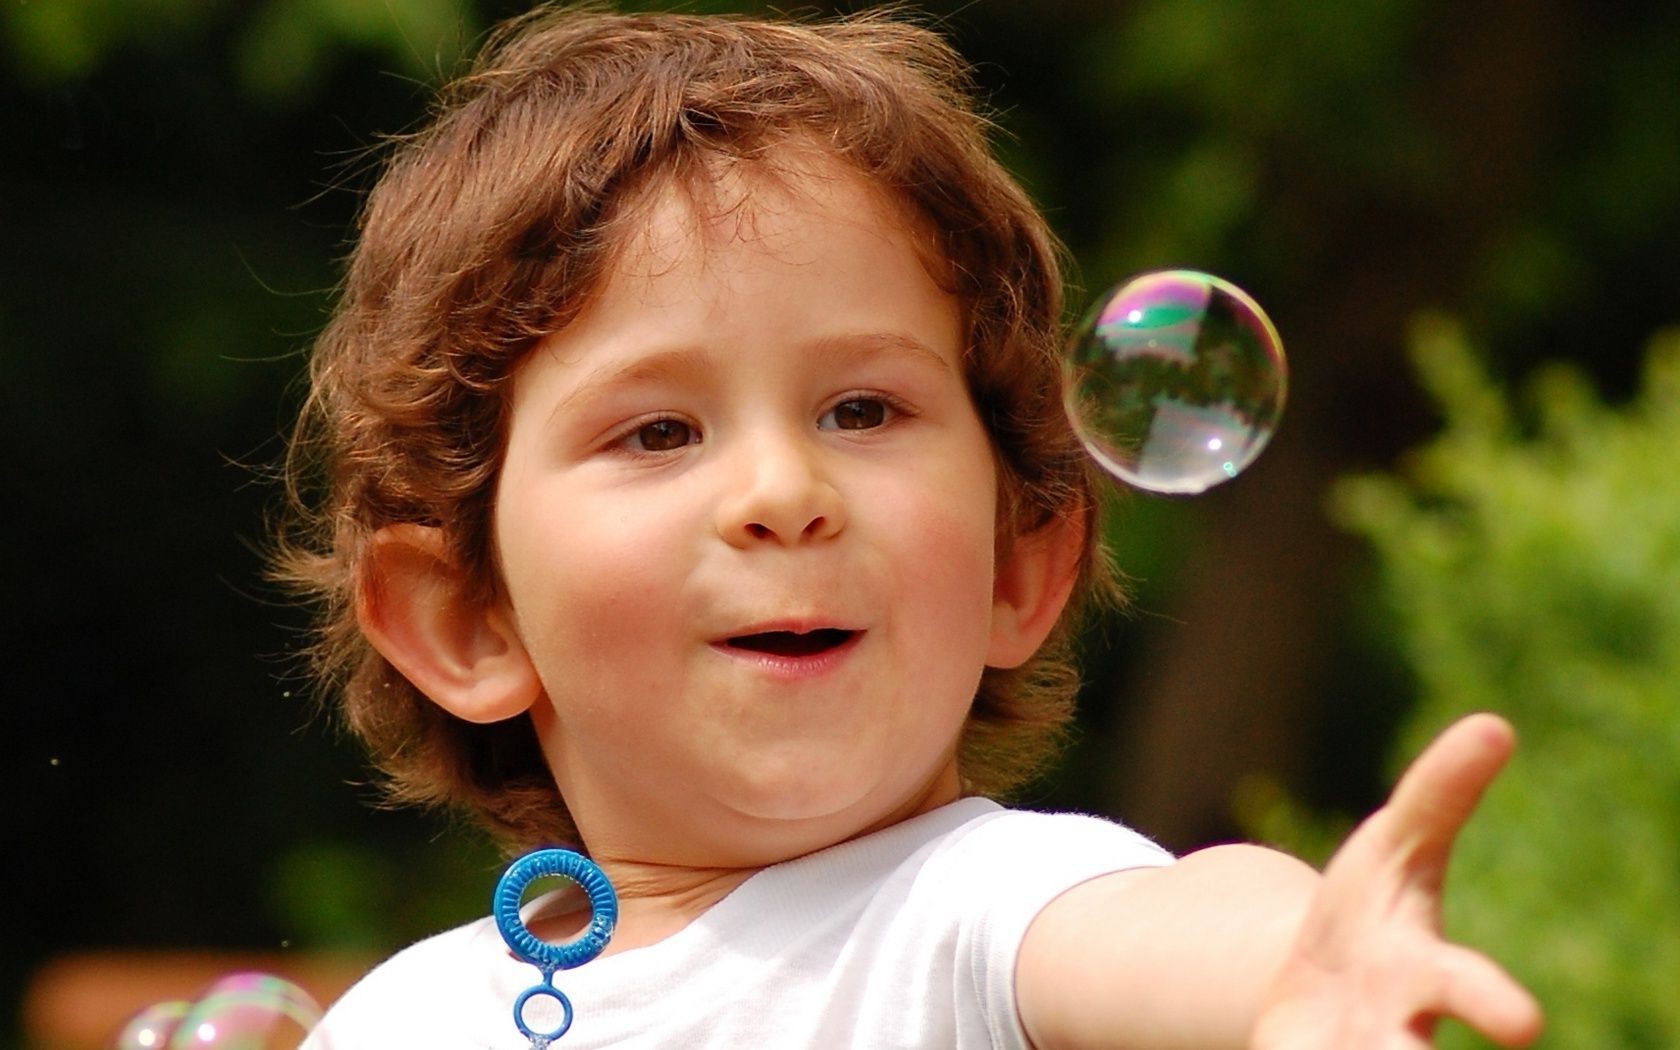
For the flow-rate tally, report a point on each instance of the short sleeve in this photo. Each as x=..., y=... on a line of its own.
x=1014, y=866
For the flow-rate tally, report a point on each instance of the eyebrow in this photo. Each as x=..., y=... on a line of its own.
x=660, y=364
x=676, y=362
x=852, y=347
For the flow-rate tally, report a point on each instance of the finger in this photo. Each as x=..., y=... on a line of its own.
x=1474, y=989
x=1437, y=794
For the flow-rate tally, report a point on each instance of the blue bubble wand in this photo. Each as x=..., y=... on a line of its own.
x=546, y=957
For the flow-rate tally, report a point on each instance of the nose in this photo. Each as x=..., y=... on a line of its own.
x=779, y=495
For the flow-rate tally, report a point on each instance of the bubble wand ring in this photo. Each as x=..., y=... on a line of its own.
x=546, y=957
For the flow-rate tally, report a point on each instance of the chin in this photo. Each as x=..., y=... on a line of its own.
x=800, y=797
x=831, y=801
x=801, y=787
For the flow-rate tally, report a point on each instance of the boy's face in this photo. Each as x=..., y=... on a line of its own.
x=746, y=524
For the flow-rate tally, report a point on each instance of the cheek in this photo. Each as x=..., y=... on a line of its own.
x=947, y=542
x=588, y=576
x=956, y=508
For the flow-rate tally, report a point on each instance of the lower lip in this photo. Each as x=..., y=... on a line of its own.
x=792, y=668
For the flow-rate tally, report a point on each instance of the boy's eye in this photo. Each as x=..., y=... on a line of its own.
x=662, y=435
x=858, y=413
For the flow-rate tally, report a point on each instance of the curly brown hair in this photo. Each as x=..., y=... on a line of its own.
x=491, y=228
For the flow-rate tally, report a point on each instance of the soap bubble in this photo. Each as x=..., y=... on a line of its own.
x=242, y=1011
x=152, y=1028
x=247, y=1011
x=1175, y=381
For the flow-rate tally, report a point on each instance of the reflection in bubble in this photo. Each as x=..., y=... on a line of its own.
x=1175, y=381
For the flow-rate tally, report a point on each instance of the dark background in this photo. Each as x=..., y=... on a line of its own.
x=177, y=180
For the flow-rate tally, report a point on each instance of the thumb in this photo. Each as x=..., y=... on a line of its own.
x=1437, y=794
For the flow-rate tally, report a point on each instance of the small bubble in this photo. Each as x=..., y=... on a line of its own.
x=1175, y=381
x=151, y=1028
x=242, y=1011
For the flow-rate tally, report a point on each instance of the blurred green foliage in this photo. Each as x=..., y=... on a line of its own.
x=282, y=46
x=1531, y=556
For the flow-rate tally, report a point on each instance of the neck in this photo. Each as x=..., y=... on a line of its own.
x=655, y=901
x=659, y=897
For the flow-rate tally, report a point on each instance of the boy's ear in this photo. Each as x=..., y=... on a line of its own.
x=1034, y=579
x=414, y=605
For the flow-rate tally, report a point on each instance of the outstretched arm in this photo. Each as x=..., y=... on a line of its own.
x=1239, y=946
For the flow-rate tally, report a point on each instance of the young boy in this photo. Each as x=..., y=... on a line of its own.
x=698, y=492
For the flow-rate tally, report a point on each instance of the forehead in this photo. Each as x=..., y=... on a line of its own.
x=775, y=203
x=805, y=252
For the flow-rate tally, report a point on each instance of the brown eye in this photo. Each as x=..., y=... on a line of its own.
x=860, y=413
x=663, y=435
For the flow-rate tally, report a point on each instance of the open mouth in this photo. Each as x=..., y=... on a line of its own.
x=793, y=643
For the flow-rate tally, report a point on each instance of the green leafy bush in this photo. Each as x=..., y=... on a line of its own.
x=1530, y=555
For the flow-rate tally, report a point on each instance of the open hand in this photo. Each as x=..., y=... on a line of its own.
x=1371, y=969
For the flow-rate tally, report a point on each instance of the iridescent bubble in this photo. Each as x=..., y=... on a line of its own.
x=1175, y=381
x=247, y=1011
x=152, y=1028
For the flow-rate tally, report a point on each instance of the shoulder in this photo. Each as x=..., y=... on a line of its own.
x=956, y=910
x=1021, y=848
x=974, y=843
x=978, y=883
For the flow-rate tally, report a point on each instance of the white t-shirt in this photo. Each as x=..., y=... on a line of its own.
x=903, y=938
